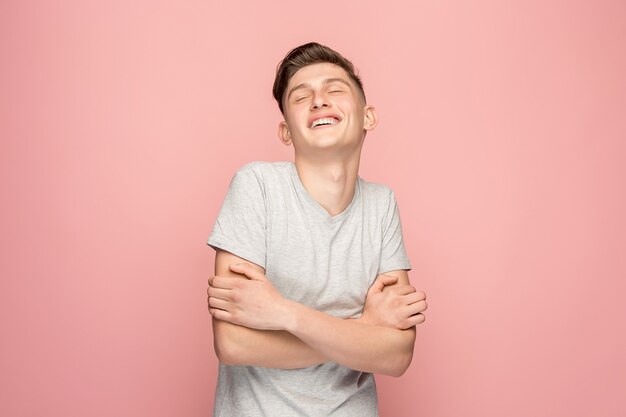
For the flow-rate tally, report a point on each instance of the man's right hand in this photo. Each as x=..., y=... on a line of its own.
x=393, y=305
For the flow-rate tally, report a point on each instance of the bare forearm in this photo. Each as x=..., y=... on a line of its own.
x=352, y=343
x=256, y=325
x=239, y=345
x=316, y=338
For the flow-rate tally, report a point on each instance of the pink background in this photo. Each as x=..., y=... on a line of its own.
x=502, y=133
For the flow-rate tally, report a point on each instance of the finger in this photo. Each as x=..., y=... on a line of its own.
x=403, y=289
x=247, y=270
x=415, y=308
x=219, y=304
x=413, y=297
x=381, y=281
x=413, y=321
x=420, y=295
x=226, y=283
x=220, y=314
x=389, y=279
x=219, y=293
x=377, y=286
x=420, y=318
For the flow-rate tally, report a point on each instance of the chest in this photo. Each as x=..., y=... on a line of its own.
x=326, y=265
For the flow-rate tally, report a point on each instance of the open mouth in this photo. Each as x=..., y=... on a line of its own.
x=324, y=121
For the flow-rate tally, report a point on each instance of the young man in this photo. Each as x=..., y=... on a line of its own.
x=311, y=293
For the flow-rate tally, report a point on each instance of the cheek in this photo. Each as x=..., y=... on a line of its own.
x=294, y=114
x=348, y=105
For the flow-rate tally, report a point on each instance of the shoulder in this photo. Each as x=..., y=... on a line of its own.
x=263, y=169
x=378, y=193
x=261, y=172
x=379, y=201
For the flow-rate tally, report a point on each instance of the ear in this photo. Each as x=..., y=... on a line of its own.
x=283, y=133
x=370, y=118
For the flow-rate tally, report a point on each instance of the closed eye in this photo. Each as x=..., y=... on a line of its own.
x=300, y=99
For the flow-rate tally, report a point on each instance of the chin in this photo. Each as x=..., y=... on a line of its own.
x=326, y=142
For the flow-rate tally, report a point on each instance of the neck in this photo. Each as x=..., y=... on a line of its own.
x=331, y=183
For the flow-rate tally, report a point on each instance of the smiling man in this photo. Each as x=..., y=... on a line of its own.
x=311, y=293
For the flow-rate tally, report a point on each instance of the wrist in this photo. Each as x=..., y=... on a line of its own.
x=293, y=317
x=290, y=316
x=366, y=319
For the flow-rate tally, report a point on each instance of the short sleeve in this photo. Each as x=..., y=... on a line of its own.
x=240, y=227
x=393, y=254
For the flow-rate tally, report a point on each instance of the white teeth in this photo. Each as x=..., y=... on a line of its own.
x=324, y=121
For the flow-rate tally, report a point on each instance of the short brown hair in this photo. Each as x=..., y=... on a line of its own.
x=304, y=55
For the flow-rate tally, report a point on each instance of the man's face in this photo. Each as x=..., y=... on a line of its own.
x=324, y=110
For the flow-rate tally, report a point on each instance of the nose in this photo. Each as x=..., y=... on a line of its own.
x=319, y=101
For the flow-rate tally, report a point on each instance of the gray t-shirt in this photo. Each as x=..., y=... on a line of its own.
x=325, y=262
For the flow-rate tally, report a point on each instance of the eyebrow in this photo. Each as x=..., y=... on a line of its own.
x=326, y=81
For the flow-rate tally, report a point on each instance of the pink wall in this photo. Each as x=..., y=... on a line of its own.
x=502, y=132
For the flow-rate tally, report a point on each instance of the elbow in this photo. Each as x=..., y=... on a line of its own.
x=401, y=360
x=225, y=352
x=226, y=349
x=399, y=365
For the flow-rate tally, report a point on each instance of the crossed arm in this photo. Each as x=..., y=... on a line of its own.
x=253, y=324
